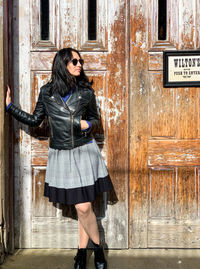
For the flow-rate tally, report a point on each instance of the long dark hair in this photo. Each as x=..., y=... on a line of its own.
x=61, y=80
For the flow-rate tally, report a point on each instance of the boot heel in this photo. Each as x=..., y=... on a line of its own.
x=80, y=259
x=99, y=258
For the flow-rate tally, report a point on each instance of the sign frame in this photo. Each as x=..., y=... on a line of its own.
x=182, y=70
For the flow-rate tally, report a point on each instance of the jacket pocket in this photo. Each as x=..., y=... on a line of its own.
x=77, y=124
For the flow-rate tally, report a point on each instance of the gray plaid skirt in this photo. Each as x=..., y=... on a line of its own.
x=77, y=175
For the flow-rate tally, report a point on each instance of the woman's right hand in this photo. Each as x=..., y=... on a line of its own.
x=8, y=96
x=84, y=125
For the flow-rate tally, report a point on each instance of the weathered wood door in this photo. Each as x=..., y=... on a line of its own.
x=122, y=45
x=40, y=29
x=164, y=129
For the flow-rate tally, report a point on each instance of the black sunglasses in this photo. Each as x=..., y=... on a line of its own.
x=75, y=61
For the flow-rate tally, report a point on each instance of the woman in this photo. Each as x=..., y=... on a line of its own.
x=75, y=173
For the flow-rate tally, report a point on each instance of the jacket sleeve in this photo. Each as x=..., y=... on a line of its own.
x=92, y=114
x=34, y=119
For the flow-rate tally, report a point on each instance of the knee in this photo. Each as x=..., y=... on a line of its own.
x=83, y=209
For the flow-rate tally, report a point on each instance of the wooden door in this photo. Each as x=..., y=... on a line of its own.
x=40, y=29
x=164, y=130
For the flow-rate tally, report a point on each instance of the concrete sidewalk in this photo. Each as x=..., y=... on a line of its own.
x=117, y=259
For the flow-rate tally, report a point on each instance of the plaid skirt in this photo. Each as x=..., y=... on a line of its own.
x=77, y=175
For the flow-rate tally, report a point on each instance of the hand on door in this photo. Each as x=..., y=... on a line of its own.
x=8, y=96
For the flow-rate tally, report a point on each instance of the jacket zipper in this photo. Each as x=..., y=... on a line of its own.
x=72, y=116
x=72, y=130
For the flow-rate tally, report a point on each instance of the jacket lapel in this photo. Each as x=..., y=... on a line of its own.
x=57, y=98
x=72, y=101
x=73, y=98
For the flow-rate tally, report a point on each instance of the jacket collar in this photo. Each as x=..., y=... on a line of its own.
x=71, y=102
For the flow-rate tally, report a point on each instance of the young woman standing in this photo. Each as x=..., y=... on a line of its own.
x=75, y=172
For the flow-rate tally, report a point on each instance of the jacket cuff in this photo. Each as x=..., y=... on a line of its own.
x=7, y=107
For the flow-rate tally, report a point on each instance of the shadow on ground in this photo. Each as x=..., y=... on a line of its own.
x=117, y=259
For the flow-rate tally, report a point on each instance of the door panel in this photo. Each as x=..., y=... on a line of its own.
x=41, y=206
x=164, y=132
x=54, y=225
x=161, y=192
x=161, y=108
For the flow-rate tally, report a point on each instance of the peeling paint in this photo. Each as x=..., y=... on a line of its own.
x=120, y=237
x=114, y=109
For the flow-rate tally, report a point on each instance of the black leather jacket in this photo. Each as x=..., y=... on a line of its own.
x=64, y=118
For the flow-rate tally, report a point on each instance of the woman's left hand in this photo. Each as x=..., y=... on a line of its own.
x=8, y=96
x=84, y=125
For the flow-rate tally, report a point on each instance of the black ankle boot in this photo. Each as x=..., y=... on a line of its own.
x=99, y=258
x=80, y=259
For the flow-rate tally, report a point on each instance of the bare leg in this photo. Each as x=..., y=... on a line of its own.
x=88, y=222
x=83, y=236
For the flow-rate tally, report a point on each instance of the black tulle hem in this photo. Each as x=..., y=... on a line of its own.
x=77, y=195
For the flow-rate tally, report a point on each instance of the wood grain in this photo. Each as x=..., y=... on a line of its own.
x=187, y=194
x=149, y=136
x=139, y=96
x=105, y=63
x=162, y=118
x=161, y=193
x=173, y=152
x=186, y=113
x=170, y=235
x=41, y=206
x=187, y=25
x=172, y=25
x=117, y=116
x=164, y=132
x=155, y=61
x=36, y=43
